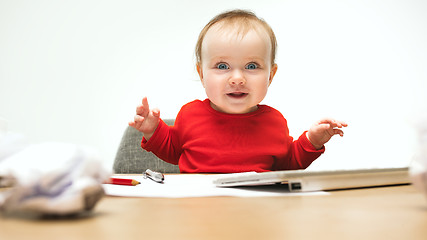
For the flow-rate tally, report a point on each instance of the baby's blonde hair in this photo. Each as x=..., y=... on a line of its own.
x=244, y=21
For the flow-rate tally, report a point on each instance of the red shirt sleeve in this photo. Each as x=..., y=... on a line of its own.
x=303, y=153
x=163, y=143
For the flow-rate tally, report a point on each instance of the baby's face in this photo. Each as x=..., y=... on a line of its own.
x=236, y=72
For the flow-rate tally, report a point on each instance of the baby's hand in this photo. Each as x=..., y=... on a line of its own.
x=321, y=132
x=146, y=120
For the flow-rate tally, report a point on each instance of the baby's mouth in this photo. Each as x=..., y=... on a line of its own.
x=237, y=94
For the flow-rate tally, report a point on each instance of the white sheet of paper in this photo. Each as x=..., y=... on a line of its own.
x=193, y=185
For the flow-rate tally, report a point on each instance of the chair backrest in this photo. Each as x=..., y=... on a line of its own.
x=131, y=158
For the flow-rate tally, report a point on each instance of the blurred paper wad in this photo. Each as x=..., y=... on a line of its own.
x=54, y=179
x=418, y=167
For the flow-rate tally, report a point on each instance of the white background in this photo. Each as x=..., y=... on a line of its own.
x=74, y=71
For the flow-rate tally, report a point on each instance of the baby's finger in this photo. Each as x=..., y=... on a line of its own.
x=156, y=112
x=340, y=123
x=338, y=131
x=140, y=109
x=326, y=121
x=138, y=119
x=145, y=103
x=333, y=123
x=143, y=109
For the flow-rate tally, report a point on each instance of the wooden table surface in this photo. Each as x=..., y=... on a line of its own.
x=398, y=212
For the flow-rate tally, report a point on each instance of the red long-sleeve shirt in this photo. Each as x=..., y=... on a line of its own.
x=208, y=141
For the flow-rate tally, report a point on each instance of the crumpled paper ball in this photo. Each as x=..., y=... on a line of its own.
x=418, y=172
x=55, y=179
x=418, y=166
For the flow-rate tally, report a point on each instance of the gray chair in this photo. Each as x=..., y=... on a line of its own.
x=131, y=158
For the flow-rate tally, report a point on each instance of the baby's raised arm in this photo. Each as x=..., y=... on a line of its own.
x=146, y=120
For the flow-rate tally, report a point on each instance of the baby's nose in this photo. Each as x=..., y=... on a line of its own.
x=237, y=78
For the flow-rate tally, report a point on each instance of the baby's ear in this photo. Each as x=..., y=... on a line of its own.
x=272, y=72
x=199, y=71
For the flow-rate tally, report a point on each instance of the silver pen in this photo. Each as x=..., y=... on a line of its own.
x=155, y=176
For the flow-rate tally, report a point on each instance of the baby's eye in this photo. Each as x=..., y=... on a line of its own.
x=251, y=66
x=222, y=66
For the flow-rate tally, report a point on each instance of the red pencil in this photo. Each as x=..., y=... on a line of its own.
x=124, y=181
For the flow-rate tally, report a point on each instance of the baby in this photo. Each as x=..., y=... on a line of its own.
x=231, y=131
